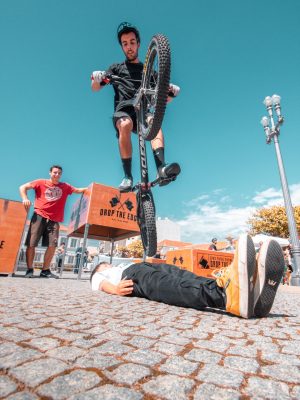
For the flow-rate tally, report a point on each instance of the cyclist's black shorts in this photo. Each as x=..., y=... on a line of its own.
x=125, y=112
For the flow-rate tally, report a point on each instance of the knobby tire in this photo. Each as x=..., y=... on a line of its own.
x=147, y=224
x=156, y=77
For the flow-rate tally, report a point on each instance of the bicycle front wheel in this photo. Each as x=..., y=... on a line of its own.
x=146, y=221
x=155, y=86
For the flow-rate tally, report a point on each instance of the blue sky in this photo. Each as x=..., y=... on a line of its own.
x=226, y=57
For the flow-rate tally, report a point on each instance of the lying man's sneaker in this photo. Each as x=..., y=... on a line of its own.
x=48, y=274
x=168, y=173
x=270, y=269
x=237, y=279
x=126, y=184
x=29, y=273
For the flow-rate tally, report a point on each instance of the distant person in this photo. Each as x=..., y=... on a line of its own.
x=259, y=246
x=246, y=288
x=59, y=255
x=230, y=245
x=49, y=205
x=78, y=257
x=158, y=254
x=288, y=270
x=213, y=245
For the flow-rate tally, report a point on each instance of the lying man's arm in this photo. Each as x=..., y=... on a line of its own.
x=124, y=288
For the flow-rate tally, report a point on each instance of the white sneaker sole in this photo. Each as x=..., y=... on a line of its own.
x=270, y=268
x=246, y=269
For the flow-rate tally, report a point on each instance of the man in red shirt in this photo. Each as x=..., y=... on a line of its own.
x=49, y=205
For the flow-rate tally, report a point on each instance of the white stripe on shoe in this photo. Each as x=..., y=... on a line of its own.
x=246, y=268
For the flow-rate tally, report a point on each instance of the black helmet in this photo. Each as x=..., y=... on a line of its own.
x=214, y=239
x=126, y=27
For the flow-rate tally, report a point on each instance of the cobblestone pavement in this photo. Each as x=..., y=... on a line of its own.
x=58, y=340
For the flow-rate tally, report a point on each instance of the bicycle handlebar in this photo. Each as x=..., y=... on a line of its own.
x=110, y=79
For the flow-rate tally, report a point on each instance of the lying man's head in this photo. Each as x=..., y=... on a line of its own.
x=100, y=267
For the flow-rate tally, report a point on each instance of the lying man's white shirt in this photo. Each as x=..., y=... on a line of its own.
x=112, y=275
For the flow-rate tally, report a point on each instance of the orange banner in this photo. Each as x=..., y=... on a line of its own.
x=12, y=221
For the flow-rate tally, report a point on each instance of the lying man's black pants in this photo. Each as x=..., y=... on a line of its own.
x=171, y=285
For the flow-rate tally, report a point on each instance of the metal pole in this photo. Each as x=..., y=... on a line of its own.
x=85, y=235
x=112, y=250
x=290, y=215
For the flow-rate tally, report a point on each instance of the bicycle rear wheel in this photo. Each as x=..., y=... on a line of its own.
x=155, y=86
x=146, y=222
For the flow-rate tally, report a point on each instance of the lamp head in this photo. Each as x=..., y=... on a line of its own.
x=276, y=99
x=268, y=101
x=264, y=121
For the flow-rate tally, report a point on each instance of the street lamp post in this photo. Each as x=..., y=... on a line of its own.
x=272, y=132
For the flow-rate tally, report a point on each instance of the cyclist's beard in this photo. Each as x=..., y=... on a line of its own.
x=132, y=56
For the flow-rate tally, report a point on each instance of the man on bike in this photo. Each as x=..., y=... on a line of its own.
x=124, y=117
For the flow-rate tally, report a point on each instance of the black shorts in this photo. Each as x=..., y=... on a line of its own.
x=44, y=228
x=125, y=112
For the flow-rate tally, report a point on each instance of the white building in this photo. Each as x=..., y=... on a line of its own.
x=167, y=229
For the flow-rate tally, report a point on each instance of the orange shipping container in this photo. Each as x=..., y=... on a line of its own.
x=201, y=262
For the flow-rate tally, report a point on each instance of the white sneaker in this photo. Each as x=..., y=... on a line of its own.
x=126, y=184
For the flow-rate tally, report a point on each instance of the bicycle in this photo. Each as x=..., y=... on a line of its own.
x=149, y=103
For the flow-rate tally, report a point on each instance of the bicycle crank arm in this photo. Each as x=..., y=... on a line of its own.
x=165, y=181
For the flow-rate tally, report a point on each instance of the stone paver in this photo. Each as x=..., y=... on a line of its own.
x=283, y=373
x=128, y=373
x=178, y=366
x=7, y=386
x=220, y=376
x=108, y=392
x=18, y=357
x=35, y=372
x=64, y=386
x=204, y=356
x=146, y=357
x=208, y=391
x=65, y=353
x=43, y=344
x=23, y=396
x=242, y=364
x=169, y=387
x=93, y=359
x=58, y=340
x=266, y=388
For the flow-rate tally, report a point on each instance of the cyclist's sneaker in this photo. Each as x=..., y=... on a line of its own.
x=168, y=173
x=237, y=279
x=270, y=268
x=29, y=273
x=126, y=184
x=48, y=274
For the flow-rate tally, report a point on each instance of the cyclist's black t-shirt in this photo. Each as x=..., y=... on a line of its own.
x=132, y=72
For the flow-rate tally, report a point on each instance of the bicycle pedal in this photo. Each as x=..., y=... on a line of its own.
x=166, y=181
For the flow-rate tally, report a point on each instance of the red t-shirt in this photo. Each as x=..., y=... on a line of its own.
x=50, y=199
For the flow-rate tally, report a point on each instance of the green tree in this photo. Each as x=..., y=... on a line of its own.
x=272, y=221
x=124, y=252
x=136, y=249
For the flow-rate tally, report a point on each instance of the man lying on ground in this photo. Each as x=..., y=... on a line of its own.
x=246, y=288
